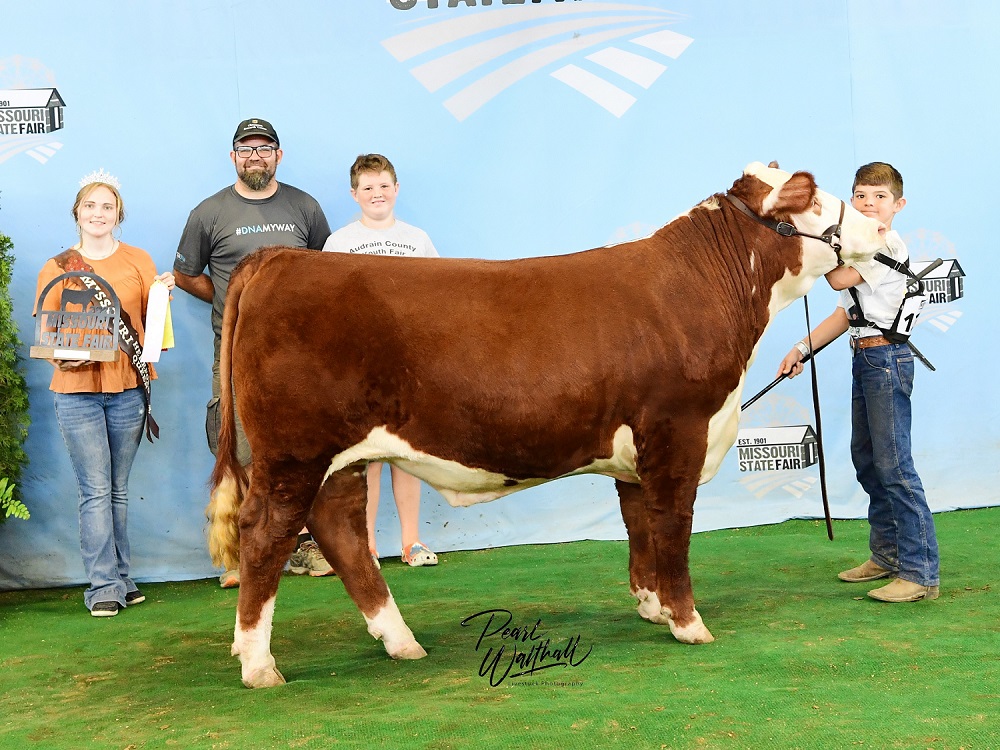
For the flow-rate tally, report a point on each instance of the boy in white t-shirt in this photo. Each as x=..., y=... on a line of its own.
x=379, y=232
x=902, y=539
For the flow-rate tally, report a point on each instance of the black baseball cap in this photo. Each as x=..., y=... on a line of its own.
x=255, y=126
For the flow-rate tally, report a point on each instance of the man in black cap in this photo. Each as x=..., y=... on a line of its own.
x=255, y=212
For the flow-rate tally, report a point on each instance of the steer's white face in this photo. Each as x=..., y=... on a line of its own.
x=861, y=236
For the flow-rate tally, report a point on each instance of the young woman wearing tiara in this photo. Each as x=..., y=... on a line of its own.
x=102, y=407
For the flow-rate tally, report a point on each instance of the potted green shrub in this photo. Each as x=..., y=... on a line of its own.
x=13, y=395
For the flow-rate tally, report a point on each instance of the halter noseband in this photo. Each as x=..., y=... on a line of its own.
x=831, y=236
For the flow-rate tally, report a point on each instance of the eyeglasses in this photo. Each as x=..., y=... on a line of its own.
x=245, y=152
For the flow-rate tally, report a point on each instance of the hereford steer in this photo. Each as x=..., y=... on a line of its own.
x=487, y=377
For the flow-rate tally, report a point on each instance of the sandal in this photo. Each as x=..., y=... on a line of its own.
x=417, y=556
x=374, y=554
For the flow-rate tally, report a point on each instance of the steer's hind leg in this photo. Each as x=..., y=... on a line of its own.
x=670, y=466
x=337, y=522
x=271, y=516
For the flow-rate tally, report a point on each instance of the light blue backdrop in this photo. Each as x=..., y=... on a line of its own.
x=517, y=129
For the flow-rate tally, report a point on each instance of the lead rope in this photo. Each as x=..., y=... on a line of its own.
x=819, y=425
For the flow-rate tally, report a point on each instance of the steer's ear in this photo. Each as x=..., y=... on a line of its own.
x=794, y=197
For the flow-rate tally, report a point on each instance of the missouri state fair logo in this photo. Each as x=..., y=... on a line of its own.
x=31, y=110
x=609, y=52
x=777, y=458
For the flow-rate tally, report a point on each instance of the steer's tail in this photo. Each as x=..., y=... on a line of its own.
x=229, y=479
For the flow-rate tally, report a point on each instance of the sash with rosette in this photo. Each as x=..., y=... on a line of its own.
x=128, y=338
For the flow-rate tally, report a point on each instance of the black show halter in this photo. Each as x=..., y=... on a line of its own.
x=831, y=236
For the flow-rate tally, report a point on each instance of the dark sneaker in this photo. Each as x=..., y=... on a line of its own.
x=105, y=609
x=309, y=559
x=134, y=597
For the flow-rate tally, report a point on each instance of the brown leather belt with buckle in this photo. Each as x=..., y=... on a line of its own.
x=868, y=342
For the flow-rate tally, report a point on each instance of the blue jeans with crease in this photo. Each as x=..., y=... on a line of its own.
x=102, y=433
x=902, y=536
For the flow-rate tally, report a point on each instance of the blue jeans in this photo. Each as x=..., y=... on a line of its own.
x=902, y=535
x=102, y=433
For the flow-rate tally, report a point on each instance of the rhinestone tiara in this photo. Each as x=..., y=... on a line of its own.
x=101, y=176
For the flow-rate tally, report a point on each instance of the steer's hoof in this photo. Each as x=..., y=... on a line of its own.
x=411, y=650
x=264, y=678
x=694, y=633
x=649, y=609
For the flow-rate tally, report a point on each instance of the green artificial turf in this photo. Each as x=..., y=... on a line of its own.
x=801, y=660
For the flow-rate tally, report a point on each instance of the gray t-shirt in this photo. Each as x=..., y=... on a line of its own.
x=399, y=239
x=225, y=227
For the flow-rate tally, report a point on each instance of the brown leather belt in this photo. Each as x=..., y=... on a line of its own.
x=868, y=342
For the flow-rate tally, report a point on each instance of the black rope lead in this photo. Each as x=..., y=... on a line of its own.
x=819, y=428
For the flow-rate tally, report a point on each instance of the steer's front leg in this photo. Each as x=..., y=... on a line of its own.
x=641, y=552
x=670, y=466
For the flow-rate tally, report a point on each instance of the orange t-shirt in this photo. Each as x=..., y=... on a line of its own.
x=130, y=272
